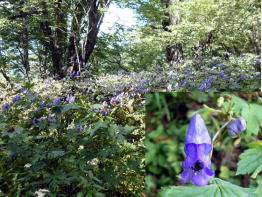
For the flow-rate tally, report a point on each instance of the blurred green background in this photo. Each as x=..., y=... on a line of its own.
x=167, y=120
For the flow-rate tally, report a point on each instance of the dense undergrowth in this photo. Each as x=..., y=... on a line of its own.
x=238, y=73
x=71, y=141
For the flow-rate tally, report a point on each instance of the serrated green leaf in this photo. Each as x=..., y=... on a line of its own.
x=240, y=105
x=218, y=188
x=252, y=123
x=250, y=162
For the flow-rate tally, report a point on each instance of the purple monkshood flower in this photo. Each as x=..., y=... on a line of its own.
x=105, y=111
x=221, y=74
x=5, y=106
x=197, y=165
x=115, y=100
x=240, y=78
x=16, y=98
x=70, y=98
x=34, y=121
x=51, y=118
x=79, y=128
x=23, y=90
x=207, y=84
x=236, y=126
x=184, y=83
x=56, y=100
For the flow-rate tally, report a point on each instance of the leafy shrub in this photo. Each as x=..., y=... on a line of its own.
x=70, y=144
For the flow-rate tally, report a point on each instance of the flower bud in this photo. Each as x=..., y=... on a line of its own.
x=236, y=126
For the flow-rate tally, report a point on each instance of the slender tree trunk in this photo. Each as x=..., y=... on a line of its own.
x=51, y=43
x=174, y=52
x=7, y=78
x=95, y=18
x=25, y=42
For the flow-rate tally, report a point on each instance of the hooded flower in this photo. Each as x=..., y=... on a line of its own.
x=79, y=128
x=70, y=98
x=16, y=98
x=236, y=126
x=56, y=100
x=5, y=106
x=197, y=165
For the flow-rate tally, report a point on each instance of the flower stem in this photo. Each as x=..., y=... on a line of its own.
x=218, y=133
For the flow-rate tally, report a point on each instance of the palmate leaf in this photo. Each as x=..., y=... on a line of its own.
x=251, y=160
x=218, y=188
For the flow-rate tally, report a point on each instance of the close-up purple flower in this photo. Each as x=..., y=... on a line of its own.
x=197, y=165
x=236, y=126
x=16, y=98
x=5, y=106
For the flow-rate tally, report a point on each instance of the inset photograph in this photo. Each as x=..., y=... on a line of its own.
x=203, y=144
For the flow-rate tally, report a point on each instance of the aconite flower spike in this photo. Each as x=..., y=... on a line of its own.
x=197, y=165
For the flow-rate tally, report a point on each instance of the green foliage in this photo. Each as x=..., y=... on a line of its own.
x=71, y=147
x=251, y=160
x=218, y=188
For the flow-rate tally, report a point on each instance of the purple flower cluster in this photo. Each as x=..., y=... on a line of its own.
x=79, y=128
x=197, y=165
x=49, y=118
x=116, y=99
x=16, y=98
x=105, y=111
x=70, y=98
x=207, y=84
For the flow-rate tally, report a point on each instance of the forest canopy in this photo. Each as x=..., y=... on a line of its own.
x=61, y=36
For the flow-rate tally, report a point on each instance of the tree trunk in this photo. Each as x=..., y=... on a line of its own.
x=174, y=52
x=25, y=43
x=95, y=18
x=51, y=43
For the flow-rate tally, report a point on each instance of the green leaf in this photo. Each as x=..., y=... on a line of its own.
x=250, y=162
x=253, y=117
x=218, y=188
x=256, y=144
x=57, y=153
x=69, y=107
x=240, y=105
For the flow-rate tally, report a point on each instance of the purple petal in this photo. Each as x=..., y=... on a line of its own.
x=186, y=175
x=200, y=178
x=209, y=172
x=197, y=131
